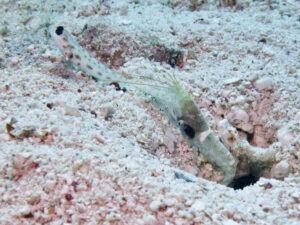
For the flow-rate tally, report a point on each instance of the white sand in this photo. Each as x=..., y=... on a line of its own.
x=63, y=162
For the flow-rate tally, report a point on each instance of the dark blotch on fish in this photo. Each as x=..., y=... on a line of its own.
x=89, y=67
x=117, y=86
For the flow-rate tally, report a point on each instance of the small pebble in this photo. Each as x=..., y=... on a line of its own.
x=234, y=80
x=149, y=219
x=264, y=83
x=285, y=136
x=70, y=111
x=14, y=61
x=100, y=138
x=107, y=112
x=68, y=197
x=281, y=170
x=155, y=205
x=240, y=119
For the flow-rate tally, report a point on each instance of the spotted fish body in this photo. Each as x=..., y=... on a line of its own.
x=177, y=104
x=82, y=59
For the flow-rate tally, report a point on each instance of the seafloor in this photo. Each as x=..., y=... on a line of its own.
x=73, y=151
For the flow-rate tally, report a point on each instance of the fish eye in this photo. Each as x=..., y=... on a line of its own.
x=188, y=130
